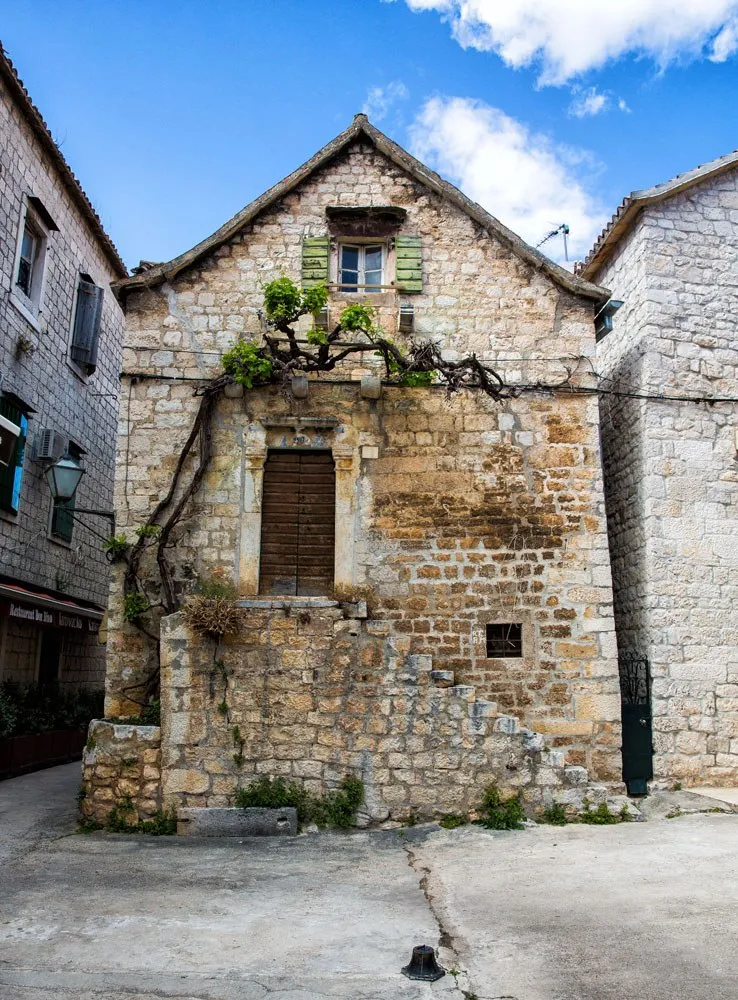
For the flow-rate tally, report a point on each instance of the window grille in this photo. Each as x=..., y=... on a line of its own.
x=504, y=640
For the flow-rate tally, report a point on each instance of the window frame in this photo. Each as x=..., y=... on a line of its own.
x=30, y=303
x=10, y=494
x=362, y=245
x=511, y=634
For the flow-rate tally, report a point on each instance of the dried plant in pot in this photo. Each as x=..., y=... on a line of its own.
x=213, y=617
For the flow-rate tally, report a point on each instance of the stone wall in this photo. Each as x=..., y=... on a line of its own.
x=313, y=695
x=121, y=766
x=505, y=524
x=451, y=512
x=35, y=364
x=671, y=472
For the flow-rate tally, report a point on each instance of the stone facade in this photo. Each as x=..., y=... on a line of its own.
x=121, y=766
x=452, y=513
x=35, y=367
x=670, y=467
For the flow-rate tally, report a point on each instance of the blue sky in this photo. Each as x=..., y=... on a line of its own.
x=176, y=114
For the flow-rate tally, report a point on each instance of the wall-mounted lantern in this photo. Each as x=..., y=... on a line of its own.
x=63, y=478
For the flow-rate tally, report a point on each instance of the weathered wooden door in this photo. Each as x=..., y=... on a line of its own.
x=298, y=523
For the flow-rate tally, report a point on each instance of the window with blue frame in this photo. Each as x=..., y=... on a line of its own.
x=11, y=475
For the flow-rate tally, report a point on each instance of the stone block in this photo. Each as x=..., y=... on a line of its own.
x=233, y=822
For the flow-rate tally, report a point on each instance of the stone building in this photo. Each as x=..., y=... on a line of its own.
x=441, y=617
x=669, y=447
x=60, y=349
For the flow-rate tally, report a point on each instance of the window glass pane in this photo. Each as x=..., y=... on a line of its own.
x=28, y=255
x=373, y=278
x=350, y=258
x=28, y=246
x=349, y=281
x=373, y=259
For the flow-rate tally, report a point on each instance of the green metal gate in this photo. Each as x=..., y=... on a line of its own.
x=635, y=699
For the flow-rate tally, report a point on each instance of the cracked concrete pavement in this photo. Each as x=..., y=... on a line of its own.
x=548, y=913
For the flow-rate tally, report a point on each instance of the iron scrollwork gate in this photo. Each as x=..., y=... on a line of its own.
x=635, y=698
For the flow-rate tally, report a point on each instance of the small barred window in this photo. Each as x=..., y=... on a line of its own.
x=505, y=640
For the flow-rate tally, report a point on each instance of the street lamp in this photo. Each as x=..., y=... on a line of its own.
x=63, y=477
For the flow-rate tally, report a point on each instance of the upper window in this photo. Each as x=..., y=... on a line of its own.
x=86, y=329
x=31, y=259
x=361, y=267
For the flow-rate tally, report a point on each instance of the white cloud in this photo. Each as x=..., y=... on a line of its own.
x=623, y=106
x=725, y=43
x=588, y=102
x=519, y=176
x=565, y=38
x=379, y=100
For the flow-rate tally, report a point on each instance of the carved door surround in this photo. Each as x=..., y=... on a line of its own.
x=303, y=433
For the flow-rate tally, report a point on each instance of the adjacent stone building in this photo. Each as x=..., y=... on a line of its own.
x=670, y=438
x=423, y=578
x=60, y=349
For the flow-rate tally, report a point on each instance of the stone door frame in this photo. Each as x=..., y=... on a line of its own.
x=305, y=434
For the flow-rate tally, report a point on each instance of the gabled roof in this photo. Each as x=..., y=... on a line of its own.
x=362, y=128
x=631, y=207
x=30, y=112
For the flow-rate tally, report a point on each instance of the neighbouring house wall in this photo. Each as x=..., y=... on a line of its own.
x=34, y=363
x=671, y=471
x=452, y=512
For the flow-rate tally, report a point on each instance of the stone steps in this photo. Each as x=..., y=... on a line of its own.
x=568, y=784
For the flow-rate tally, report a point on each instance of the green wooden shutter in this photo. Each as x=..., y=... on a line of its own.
x=408, y=264
x=315, y=256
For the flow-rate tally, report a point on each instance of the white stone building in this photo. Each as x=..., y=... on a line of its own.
x=669, y=448
x=60, y=349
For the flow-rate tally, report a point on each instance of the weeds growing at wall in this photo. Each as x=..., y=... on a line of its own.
x=123, y=818
x=554, y=815
x=334, y=809
x=496, y=813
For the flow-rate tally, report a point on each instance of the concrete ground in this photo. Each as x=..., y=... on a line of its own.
x=549, y=913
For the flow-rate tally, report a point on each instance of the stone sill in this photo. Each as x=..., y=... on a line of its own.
x=287, y=602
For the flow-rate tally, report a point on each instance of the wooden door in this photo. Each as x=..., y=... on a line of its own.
x=298, y=523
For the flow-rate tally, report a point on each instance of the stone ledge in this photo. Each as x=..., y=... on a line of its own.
x=235, y=822
x=265, y=603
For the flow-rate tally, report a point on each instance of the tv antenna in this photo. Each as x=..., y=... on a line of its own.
x=564, y=230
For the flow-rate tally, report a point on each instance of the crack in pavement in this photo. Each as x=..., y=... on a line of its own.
x=446, y=940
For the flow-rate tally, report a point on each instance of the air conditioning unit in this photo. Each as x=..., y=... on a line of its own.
x=50, y=445
x=9, y=434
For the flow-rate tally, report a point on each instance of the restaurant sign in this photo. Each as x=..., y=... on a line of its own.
x=47, y=618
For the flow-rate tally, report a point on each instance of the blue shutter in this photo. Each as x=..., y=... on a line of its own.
x=87, y=325
x=12, y=473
